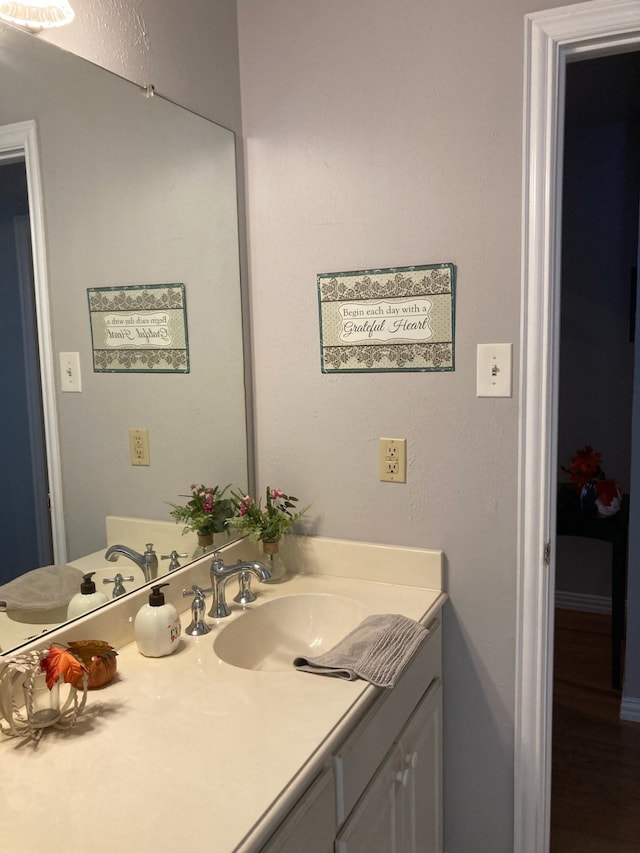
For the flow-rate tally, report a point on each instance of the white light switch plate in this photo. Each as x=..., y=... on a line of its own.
x=70, y=378
x=494, y=370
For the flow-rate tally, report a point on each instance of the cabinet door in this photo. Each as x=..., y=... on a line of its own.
x=357, y=760
x=373, y=824
x=420, y=743
x=311, y=824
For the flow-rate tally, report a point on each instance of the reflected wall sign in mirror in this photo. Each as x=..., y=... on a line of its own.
x=134, y=190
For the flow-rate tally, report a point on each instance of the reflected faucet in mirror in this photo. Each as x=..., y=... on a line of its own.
x=174, y=557
x=118, y=584
x=147, y=562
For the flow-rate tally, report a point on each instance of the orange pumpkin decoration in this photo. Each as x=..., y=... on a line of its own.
x=98, y=657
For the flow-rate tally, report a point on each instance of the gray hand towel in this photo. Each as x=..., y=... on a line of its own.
x=41, y=589
x=376, y=651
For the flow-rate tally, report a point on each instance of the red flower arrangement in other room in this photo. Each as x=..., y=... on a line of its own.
x=598, y=495
x=585, y=466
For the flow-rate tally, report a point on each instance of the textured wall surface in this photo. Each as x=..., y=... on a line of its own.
x=135, y=191
x=189, y=52
x=381, y=134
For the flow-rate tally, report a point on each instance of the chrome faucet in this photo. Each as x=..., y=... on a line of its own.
x=220, y=574
x=147, y=562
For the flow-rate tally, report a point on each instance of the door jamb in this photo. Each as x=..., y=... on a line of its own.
x=21, y=139
x=552, y=38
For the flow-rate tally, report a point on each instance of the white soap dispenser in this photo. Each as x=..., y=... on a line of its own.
x=87, y=599
x=157, y=626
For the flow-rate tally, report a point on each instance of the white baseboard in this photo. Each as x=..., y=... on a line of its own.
x=581, y=601
x=630, y=709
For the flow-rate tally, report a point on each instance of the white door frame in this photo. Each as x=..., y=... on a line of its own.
x=20, y=140
x=551, y=39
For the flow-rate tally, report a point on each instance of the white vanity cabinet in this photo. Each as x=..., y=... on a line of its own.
x=311, y=824
x=400, y=811
x=397, y=807
x=420, y=776
x=381, y=790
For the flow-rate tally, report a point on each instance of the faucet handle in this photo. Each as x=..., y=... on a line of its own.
x=245, y=593
x=196, y=591
x=198, y=626
x=118, y=588
x=173, y=556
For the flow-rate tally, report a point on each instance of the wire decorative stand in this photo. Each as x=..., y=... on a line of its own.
x=22, y=684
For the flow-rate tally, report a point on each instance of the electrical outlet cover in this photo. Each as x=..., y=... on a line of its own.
x=393, y=460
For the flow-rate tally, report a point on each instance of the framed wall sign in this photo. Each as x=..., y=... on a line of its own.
x=399, y=319
x=139, y=329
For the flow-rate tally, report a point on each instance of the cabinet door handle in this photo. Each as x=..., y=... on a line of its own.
x=402, y=776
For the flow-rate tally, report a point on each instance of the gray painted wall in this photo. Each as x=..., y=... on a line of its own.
x=136, y=191
x=381, y=134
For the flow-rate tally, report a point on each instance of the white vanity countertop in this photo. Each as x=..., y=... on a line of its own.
x=186, y=749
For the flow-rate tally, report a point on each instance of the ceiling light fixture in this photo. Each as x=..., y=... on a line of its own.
x=37, y=14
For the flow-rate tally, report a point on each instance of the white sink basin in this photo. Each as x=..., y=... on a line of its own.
x=269, y=636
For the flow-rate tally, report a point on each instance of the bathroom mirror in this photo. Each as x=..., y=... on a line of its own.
x=135, y=191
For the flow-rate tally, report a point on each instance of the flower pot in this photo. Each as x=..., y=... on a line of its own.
x=600, y=498
x=205, y=545
x=273, y=560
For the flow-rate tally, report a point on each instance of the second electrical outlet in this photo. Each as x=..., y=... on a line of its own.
x=139, y=446
x=393, y=460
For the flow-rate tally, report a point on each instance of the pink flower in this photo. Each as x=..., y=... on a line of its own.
x=275, y=494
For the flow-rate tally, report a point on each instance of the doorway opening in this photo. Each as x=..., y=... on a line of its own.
x=599, y=228
x=586, y=30
x=25, y=526
x=33, y=516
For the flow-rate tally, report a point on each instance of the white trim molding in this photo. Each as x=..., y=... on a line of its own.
x=584, y=602
x=630, y=709
x=552, y=38
x=20, y=139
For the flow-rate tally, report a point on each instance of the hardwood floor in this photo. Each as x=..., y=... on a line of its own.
x=595, y=797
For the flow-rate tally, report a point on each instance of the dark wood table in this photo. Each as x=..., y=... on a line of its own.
x=571, y=521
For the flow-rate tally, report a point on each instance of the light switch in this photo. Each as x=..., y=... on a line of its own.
x=70, y=379
x=494, y=370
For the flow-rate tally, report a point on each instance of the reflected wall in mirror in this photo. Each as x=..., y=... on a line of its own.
x=135, y=191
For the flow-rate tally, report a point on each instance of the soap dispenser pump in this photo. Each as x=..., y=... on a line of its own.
x=157, y=625
x=87, y=599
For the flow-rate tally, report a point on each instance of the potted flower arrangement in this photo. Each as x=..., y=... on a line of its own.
x=205, y=513
x=267, y=524
x=599, y=496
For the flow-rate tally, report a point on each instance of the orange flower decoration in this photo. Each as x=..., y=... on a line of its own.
x=61, y=662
